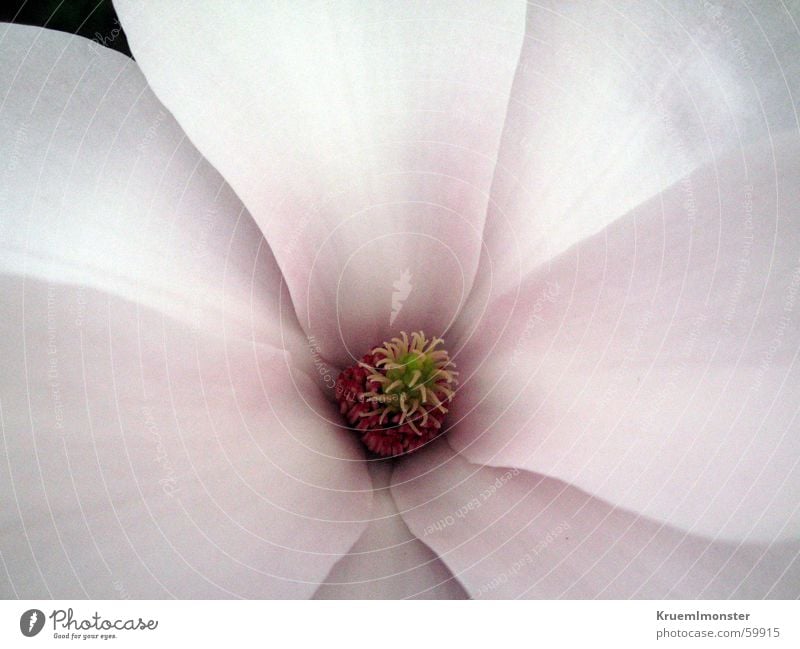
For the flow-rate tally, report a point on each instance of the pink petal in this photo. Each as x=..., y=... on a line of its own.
x=362, y=138
x=103, y=188
x=388, y=561
x=145, y=454
x=146, y=458
x=613, y=103
x=508, y=533
x=655, y=364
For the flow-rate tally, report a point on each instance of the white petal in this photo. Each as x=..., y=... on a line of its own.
x=361, y=136
x=388, y=561
x=508, y=533
x=144, y=459
x=146, y=455
x=614, y=102
x=655, y=364
x=103, y=188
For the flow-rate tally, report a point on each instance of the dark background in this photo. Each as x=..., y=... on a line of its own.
x=94, y=19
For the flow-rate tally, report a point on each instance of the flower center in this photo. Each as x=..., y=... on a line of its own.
x=396, y=397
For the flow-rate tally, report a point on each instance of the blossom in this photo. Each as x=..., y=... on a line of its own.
x=597, y=208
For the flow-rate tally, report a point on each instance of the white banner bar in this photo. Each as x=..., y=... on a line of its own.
x=384, y=625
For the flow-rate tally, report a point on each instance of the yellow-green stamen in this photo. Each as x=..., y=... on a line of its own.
x=414, y=378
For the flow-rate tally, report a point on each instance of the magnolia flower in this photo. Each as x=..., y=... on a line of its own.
x=596, y=208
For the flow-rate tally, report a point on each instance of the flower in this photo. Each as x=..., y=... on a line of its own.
x=596, y=208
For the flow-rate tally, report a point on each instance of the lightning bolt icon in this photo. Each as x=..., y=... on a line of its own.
x=32, y=621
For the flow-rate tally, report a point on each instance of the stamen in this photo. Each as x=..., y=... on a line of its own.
x=395, y=395
x=395, y=384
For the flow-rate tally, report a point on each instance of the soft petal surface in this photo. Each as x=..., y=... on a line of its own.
x=142, y=458
x=615, y=101
x=388, y=561
x=362, y=136
x=509, y=533
x=103, y=188
x=145, y=454
x=655, y=364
